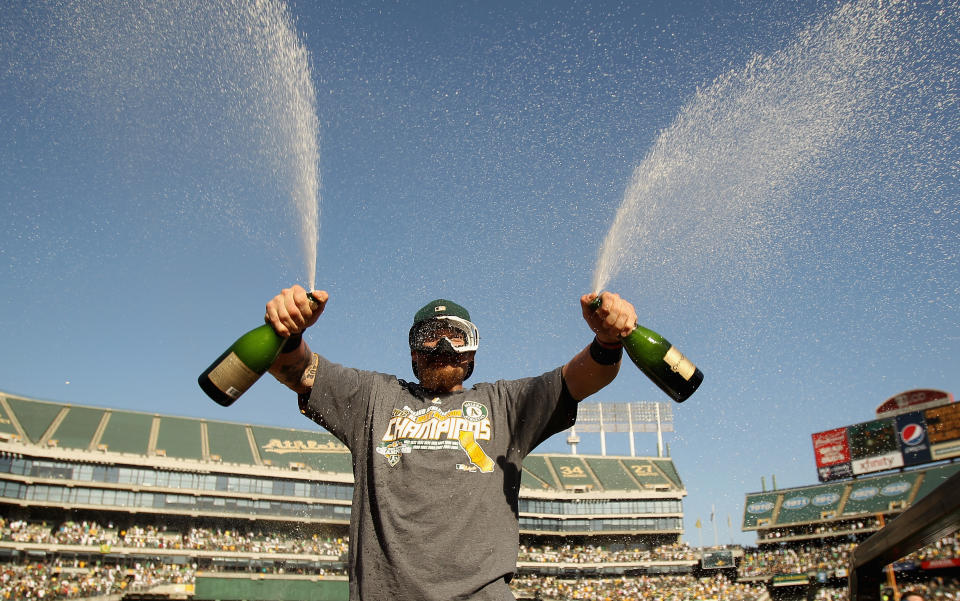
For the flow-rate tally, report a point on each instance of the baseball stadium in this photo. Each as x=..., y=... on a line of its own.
x=771, y=185
x=99, y=503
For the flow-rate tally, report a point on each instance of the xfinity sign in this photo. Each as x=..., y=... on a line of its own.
x=878, y=463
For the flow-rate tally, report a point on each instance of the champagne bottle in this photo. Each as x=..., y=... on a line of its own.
x=660, y=361
x=242, y=363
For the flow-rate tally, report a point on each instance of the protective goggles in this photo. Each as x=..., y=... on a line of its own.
x=445, y=334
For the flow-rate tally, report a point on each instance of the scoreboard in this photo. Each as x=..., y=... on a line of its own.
x=943, y=428
x=900, y=440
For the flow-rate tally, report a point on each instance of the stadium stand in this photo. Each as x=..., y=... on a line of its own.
x=537, y=474
x=844, y=507
x=30, y=418
x=228, y=443
x=143, y=500
x=179, y=438
x=122, y=504
x=611, y=473
x=934, y=476
x=807, y=535
x=293, y=448
x=126, y=433
x=76, y=428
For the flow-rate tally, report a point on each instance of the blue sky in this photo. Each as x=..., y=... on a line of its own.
x=794, y=228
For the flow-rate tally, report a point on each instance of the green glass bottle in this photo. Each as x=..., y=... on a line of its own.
x=661, y=361
x=243, y=363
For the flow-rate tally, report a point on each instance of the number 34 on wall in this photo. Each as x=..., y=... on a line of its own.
x=572, y=471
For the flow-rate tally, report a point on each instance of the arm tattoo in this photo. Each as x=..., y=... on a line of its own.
x=291, y=375
x=310, y=373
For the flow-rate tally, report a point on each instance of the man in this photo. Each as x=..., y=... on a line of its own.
x=912, y=596
x=437, y=466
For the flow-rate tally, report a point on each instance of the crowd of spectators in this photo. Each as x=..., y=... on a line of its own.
x=56, y=580
x=935, y=589
x=945, y=548
x=43, y=581
x=814, y=557
x=797, y=559
x=831, y=593
x=258, y=542
x=89, y=533
x=821, y=530
x=598, y=554
x=938, y=589
x=637, y=588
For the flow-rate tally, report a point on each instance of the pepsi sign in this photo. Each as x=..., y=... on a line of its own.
x=912, y=435
x=914, y=443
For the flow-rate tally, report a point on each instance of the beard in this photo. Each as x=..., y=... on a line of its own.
x=442, y=378
x=443, y=373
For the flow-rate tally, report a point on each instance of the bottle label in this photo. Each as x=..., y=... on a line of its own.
x=232, y=376
x=679, y=364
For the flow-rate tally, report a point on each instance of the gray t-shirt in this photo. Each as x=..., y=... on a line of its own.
x=436, y=478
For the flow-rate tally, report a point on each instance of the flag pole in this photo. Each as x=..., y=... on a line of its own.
x=716, y=536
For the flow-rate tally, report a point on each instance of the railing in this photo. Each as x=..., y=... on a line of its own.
x=928, y=520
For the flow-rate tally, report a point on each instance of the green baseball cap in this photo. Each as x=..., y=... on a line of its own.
x=441, y=308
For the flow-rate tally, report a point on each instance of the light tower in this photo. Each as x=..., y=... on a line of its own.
x=637, y=416
x=572, y=440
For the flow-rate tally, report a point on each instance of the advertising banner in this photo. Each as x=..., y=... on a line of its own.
x=913, y=400
x=914, y=444
x=790, y=580
x=936, y=564
x=943, y=430
x=874, y=446
x=916, y=427
x=832, y=452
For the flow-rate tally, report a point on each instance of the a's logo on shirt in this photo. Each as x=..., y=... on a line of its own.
x=474, y=411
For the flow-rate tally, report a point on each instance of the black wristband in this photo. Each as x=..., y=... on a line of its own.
x=605, y=355
x=292, y=343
